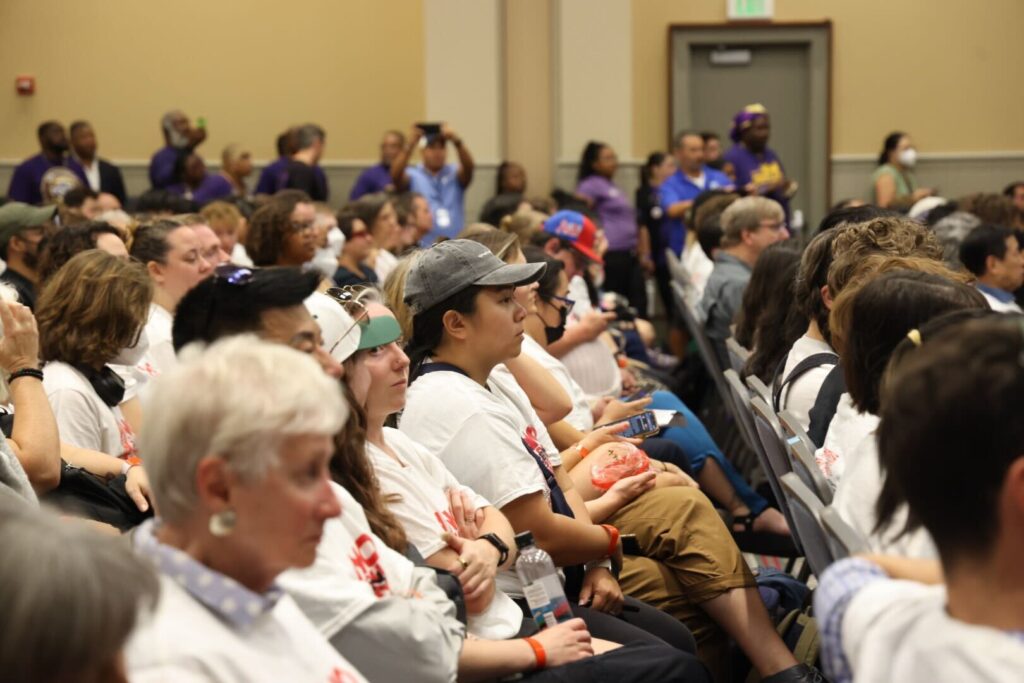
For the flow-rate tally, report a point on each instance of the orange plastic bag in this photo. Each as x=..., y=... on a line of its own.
x=620, y=460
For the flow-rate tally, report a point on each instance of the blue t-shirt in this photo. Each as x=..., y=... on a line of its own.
x=444, y=193
x=681, y=188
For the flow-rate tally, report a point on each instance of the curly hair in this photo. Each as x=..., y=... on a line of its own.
x=888, y=235
x=92, y=308
x=270, y=225
x=58, y=248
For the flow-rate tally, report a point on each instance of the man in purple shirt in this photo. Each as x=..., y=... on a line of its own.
x=302, y=171
x=179, y=137
x=28, y=175
x=275, y=174
x=378, y=178
x=196, y=183
x=758, y=169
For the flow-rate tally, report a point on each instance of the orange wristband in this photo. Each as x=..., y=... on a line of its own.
x=621, y=361
x=613, y=538
x=582, y=450
x=538, y=653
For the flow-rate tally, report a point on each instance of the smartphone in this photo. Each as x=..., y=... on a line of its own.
x=430, y=130
x=644, y=424
x=643, y=393
x=630, y=546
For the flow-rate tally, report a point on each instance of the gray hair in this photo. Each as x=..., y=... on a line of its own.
x=951, y=231
x=168, y=119
x=237, y=399
x=70, y=596
x=306, y=135
x=746, y=214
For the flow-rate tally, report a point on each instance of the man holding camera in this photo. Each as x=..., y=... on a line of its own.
x=443, y=184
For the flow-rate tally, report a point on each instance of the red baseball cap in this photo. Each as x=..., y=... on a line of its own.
x=577, y=230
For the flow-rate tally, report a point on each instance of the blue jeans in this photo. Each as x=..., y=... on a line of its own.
x=699, y=446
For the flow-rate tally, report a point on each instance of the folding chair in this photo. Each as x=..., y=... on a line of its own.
x=704, y=347
x=806, y=467
x=744, y=416
x=773, y=456
x=738, y=354
x=759, y=388
x=806, y=510
x=791, y=428
x=843, y=539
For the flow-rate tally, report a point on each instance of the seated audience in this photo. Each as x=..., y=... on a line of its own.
x=992, y=254
x=226, y=221
x=281, y=232
x=355, y=252
x=243, y=489
x=443, y=184
x=880, y=622
x=868, y=322
x=27, y=179
x=510, y=188
x=329, y=240
x=78, y=204
x=377, y=213
x=58, y=248
x=180, y=138
x=377, y=178
x=1015, y=192
x=304, y=164
x=22, y=230
x=414, y=218
x=163, y=203
x=989, y=207
x=767, y=319
x=749, y=226
x=893, y=184
x=467, y=321
x=71, y=598
x=98, y=174
x=193, y=182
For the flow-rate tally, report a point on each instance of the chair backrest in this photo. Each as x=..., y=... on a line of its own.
x=806, y=467
x=772, y=454
x=744, y=416
x=843, y=539
x=676, y=268
x=806, y=509
x=738, y=354
x=791, y=427
x=704, y=347
x=759, y=388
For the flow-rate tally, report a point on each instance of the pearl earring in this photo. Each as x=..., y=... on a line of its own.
x=222, y=523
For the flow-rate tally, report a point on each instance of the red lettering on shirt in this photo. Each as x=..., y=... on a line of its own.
x=447, y=521
x=339, y=675
x=530, y=441
x=127, y=434
x=366, y=563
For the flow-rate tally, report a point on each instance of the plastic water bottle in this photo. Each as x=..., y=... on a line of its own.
x=541, y=584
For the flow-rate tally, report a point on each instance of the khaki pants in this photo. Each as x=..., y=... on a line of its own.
x=689, y=558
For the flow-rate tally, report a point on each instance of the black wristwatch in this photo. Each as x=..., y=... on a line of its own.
x=499, y=544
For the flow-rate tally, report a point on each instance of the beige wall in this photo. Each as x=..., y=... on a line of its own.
x=947, y=71
x=251, y=68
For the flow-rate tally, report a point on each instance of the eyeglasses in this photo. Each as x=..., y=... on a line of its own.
x=302, y=227
x=348, y=299
x=569, y=303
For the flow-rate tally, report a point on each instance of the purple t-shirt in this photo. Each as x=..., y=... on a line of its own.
x=377, y=178
x=761, y=169
x=616, y=215
x=27, y=178
x=273, y=176
x=214, y=186
x=161, y=166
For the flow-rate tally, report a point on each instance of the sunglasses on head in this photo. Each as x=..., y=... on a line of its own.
x=348, y=299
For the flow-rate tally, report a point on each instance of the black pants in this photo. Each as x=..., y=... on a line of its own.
x=623, y=274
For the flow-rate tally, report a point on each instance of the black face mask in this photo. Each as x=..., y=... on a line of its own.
x=555, y=333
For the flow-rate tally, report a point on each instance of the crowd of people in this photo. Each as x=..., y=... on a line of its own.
x=320, y=432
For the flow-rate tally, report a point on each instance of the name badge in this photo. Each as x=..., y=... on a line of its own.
x=442, y=218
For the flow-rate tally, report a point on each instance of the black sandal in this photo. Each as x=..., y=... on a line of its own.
x=760, y=542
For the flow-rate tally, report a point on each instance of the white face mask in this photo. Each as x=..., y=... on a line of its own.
x=132, y=355
x=908, y=157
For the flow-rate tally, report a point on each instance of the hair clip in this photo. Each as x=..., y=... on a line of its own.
x=915, y=336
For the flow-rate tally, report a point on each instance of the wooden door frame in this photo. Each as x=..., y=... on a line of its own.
x=760, y=26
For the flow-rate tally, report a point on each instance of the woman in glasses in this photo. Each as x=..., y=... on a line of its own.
x=281, y=232
x=353, y=268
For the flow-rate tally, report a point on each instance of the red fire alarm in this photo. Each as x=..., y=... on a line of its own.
x=25, y=85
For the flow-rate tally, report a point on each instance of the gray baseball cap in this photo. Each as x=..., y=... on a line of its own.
x=449, y=267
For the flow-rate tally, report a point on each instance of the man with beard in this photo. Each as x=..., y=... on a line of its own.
x=98, y=174
x=22, y=228
x=179, y=138
x=28, y=176
x=758, y=169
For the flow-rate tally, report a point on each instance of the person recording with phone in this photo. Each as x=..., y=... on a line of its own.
x=443, y=184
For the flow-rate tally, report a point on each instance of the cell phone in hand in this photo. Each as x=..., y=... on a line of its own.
x=644, y=424
x=430, y=130
x=630, y=546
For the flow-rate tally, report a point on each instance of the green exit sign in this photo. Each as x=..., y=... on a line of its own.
x=750, y=9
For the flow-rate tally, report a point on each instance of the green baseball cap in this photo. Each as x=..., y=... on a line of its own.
x=378, y=331
x=16, y=216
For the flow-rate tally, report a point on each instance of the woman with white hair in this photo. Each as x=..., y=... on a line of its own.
x=240, y=477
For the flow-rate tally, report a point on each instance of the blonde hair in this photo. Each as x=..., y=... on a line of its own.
x=524, y=224
x=394, y=292
x=885, y=236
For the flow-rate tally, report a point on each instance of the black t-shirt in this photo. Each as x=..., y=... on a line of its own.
x=302, y=176
x=26, y=290
x=344, y=277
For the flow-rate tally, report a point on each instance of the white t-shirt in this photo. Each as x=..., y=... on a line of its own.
x=858, y=490
x=385, y=263
x=850, y=433
x=799, y=396
x=481, y=435
x=422, y=508
x=83, y=419
x=185, y=642
x=901, y=631
x=239, y=256
x=581, y=418
x=592, y=363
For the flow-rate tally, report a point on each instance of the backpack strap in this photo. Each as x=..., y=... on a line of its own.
x=815, y=360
